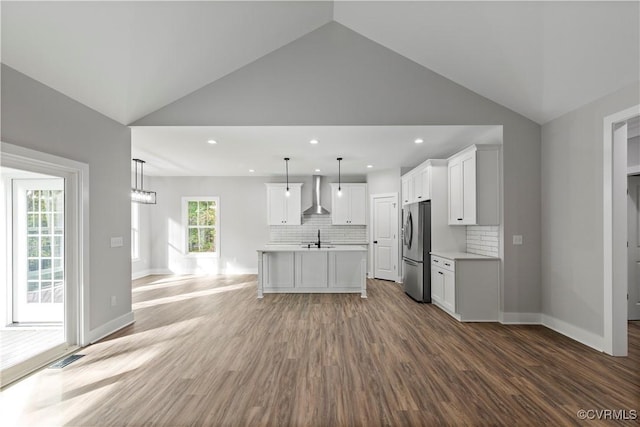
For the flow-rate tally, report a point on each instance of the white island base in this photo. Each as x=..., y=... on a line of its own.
x=296, y=269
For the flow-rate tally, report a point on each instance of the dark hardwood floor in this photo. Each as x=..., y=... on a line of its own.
x=206, y=351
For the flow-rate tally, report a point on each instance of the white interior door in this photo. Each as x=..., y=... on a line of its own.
x=38, y=250
x=385, y=237
x=633, y=230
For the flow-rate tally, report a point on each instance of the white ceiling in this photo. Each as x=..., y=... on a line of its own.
x=184, y=151
x=128, y=59
x=540, y=59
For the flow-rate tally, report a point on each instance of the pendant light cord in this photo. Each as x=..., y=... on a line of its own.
x=339, y=174
x=286, y=160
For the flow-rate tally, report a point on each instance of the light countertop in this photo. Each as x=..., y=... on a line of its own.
x=328, y=243
x=462, y=256
x=300, y=248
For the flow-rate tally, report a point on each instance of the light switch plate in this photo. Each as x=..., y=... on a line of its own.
x=517, y=239
x=117, y=242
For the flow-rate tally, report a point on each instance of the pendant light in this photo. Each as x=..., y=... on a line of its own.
x=339, y=178
x=286, y=162
x=138, y=194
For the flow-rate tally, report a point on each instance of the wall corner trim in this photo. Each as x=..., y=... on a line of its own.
x=111, y=327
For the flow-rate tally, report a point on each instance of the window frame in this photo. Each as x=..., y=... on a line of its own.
x=185, y=226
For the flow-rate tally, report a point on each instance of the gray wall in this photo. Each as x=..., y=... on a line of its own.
x=334, y=76
x=384, y=181
x=243, y=219
x=572, y=214
x=243, y=222
x=37, y=117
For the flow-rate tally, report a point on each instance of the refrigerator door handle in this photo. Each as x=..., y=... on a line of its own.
x=408, y=231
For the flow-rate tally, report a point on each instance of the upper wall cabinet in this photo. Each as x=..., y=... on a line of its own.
x=349, y=208
x=283, y=209
x=406, y=189
x=474, y=186
x=416, y=184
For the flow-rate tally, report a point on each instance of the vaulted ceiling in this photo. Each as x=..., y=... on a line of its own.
x=128, y=59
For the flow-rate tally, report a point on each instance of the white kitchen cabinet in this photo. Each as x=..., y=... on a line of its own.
x=406, y=190
x=416, y=184
x=443, y=288
x=466, y=288
x=283, y=210
x=422, y=183
x=437, y=285
x=449, y=291
x=350, y=208
x=293, y=269
x=474, y=186
x=416, y=187
x=278, y=271
x=346, y=270
x=311, y=269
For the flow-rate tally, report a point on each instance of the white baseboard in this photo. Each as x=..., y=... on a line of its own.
x=575, y=333
x=520, y=318
x=585, y=337
x=110, y=327
x=140, y=274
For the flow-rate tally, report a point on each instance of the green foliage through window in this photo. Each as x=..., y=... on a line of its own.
x=202, y=226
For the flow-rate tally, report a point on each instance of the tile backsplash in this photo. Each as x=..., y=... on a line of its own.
x=483, y=240
x=308, y=231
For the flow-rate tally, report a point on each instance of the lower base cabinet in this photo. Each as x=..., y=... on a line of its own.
x=278, y=271
x=311, y=271
x=467, y=289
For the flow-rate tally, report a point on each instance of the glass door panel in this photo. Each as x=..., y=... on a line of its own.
x=38, y=215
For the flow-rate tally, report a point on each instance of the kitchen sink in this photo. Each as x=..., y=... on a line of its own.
x=313, y=246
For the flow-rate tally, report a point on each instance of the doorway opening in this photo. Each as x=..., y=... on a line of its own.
x=615, y=232
x=33, y=306
x=44, y=257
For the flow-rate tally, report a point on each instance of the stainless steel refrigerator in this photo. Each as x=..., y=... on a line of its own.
x=416, y=245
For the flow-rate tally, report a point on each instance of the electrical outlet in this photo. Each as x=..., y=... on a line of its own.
x=517, y=239
x=113, y=301
x=117, y=242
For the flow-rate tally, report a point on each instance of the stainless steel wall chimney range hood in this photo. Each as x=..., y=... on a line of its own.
x=316, y=207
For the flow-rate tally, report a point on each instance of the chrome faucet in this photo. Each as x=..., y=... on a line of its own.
x=318, y=243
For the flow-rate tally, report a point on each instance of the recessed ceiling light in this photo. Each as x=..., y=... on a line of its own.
x=251, y=170
x=212, y=141
x=313, y=141
x=317, y=170
x=369, y=166
x=419, y=141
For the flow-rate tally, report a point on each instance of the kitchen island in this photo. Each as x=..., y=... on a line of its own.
x=304, y=269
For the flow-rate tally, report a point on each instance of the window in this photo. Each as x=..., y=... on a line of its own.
x=135, y=231
x=201, y=217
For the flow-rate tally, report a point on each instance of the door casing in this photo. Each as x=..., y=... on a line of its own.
x=76, y=176
x=396, y=228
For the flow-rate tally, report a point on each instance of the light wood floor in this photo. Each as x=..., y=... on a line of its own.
x=205, y=351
